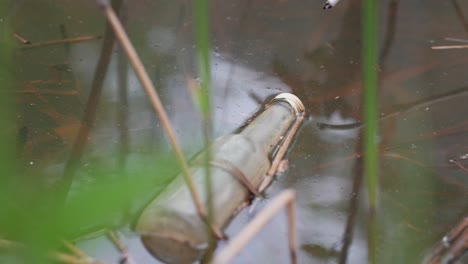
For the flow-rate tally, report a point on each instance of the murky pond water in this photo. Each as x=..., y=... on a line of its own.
x=259, y=49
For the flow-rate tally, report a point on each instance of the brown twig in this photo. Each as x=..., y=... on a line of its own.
x=402, y=157
x=457, y=40
x=46, y=92
x=154, y=99
x=70, y=259
x=78, y=256
x=390, y=32
x=76, y=251
x=284, y=199
x=449, y=47
x=347, y=238
x=60, y=41
x=452, y=246
x=460, y=15
x=113, y=236
x=21, y=39
x=403, y=109
x=280, y=154
x=456, y=163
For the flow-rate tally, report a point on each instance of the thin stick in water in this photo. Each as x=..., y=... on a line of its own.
x=456, y=163
x=21, y=39
x=126, y=257
x=460, y=15
x=284, y=199
x=69, y=259
x=76, y=251
x=449, y=47
x=89, y=116
x=280, y=154
x=60, y=41
x=457, y=40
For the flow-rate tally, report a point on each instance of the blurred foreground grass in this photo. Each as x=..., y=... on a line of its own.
x=29, y=211
x=102, y=198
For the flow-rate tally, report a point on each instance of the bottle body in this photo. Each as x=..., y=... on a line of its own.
x=170, y=227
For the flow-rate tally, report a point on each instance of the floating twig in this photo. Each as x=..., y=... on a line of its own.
x=70, y=259
x=280, y=154
x=60, y=41
x=284, y=199
x=78, y=257
x=457, y=40
x=76, y=251
x=126, y=257
x=46, y=92
x=459, y=165
x=347, y=238
x=449, y=47
x=452, y=247
x=403, y=109
x=21, y=39
x=389, y=35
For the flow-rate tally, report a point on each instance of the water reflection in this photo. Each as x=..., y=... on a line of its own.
x=259, y=50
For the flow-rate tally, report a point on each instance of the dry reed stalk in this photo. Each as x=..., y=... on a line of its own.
x=453, y=246
x=449, y=47
x=284, y=199
x=280, y=154
x=74, y=249
x=457, y=40
x=21, y=39
x=60, y=41
x=459, y=165
x=46, y=92
x=155, y=103
x=126, y=256
x=77, y=256
x=70, y=259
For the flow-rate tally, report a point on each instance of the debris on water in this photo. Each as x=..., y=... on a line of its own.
x=330, y=3
x=283, y=166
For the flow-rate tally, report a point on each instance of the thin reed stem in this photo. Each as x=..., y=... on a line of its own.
x=60, y=41
x=202, y=37
x=280, y=154
x=154, y=99
x=284, y=199
x=89, y=115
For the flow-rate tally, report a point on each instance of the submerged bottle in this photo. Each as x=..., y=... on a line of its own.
x=170, y=227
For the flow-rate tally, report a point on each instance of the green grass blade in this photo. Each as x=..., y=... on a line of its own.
x=202, y=36
x=369, y=59
x=370, y=97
